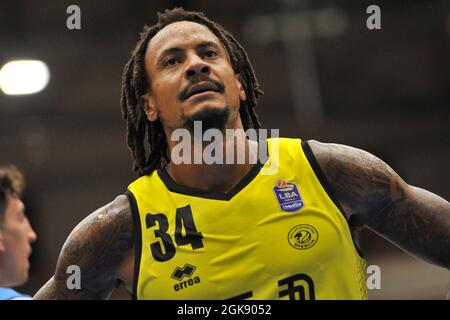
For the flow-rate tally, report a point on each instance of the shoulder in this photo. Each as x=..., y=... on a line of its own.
x=337, y=159
x=113, y=215
x=98, y=246
x=330, y=151
x=116, y=211
x=361, y=181
x=107, y=232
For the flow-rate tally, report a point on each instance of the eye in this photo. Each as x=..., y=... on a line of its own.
x=210, y=54
x=170, y=62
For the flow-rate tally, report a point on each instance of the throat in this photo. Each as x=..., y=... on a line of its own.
x=214, y=177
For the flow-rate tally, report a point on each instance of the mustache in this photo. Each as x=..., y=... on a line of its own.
x=200, y=78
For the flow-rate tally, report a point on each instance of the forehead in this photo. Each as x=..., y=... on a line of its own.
x=15, y=205
x=180, y=34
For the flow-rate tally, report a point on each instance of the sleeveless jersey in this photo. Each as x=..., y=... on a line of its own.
x=276, y=235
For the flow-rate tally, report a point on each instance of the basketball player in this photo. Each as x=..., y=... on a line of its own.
x=215, y=231
x=16, y=235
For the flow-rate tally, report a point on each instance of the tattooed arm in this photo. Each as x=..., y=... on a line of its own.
x=99, y=245
x=414, y=219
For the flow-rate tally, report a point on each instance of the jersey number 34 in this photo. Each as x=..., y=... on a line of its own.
x=165, y=249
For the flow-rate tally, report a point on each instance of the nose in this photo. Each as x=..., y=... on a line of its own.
x=197, y=66
x=32, y=236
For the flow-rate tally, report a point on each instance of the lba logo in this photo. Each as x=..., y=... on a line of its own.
x=288, y=196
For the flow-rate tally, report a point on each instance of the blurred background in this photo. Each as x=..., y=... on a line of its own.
x=325, y=77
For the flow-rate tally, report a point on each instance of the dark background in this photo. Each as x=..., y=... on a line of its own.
x=325, y=77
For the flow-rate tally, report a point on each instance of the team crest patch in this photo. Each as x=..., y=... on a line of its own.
x=303, y=236
x=288, y=196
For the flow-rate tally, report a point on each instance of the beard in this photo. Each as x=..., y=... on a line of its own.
x=211, y=118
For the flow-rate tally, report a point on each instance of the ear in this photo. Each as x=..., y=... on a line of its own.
x=149, y=106
x=242, y=94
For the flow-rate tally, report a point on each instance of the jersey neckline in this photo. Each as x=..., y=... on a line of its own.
x=172, y=186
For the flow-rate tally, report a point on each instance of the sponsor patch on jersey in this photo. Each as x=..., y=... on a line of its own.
x=303, y=236
x=288, y=196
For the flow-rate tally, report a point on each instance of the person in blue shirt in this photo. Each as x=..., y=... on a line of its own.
x=16, y=234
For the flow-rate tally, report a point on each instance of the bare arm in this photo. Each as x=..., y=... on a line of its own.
x=414, y=219
x=98, y=245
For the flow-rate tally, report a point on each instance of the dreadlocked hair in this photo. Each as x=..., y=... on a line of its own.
x=135, y=84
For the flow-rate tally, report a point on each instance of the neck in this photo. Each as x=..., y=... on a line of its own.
x=224, y=161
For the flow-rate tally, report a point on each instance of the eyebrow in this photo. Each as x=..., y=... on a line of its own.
x=207, y=44
x=175, y=50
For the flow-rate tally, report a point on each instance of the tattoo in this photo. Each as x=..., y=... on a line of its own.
x=414, y=219
x=98, y=245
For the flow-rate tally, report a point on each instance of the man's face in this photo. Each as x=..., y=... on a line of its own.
x=15, y=249
x=191, y=78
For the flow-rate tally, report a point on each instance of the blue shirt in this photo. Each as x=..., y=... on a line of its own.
x=10, y=294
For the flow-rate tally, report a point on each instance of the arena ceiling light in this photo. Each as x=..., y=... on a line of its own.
x=24, y=77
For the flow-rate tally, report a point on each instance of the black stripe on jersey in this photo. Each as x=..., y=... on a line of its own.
x=327, y=187
x=242, y=296
x=226, y=196
x=137, y=240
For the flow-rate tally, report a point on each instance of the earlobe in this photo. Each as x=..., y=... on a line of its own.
x=242, y=95
x=148, y=104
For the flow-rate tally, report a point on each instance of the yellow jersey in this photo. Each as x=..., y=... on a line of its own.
x=273, y=236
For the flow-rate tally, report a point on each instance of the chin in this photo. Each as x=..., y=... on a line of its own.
x=207, y=104
x=212, y=117
x=23, y=276
x=19, y=281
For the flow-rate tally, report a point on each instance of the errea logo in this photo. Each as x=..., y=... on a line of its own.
x=180, y=273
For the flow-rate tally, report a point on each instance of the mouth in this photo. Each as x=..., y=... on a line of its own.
x=201, y=89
